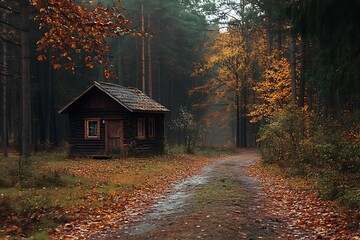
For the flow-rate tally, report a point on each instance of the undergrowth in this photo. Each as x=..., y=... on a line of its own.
x=54, y=188
x=209, y=151
x=324, y=148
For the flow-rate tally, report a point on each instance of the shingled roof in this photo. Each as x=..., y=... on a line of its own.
x=130, y=98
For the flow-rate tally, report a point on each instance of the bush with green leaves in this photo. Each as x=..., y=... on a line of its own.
x=318, y=145
x=295, y=137
x=283, y=140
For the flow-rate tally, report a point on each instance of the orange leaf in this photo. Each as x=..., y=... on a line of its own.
x=90, y=65
x=57, y=66
x=41, y=58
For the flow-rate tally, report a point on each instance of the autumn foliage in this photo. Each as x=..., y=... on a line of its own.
x=274, y=91
x=229, y=70
x=228, y=66
x=82, y=197
x=295, y=203
x=74, y=31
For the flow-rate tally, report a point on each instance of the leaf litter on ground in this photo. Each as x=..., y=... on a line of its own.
x=302, y=213
x=150, y=179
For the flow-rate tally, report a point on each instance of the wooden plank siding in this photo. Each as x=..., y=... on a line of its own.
x=96, y=104
x=149, y=145
x=136, y=147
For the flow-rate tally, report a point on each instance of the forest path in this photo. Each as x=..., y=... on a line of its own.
x=219, y=203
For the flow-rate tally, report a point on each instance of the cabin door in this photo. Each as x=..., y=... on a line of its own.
x=114, y=137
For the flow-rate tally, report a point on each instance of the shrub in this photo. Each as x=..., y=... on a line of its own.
x=281, y=141
x=350, y=199
x=186, y=124
x=307, y=144
x=329, y=185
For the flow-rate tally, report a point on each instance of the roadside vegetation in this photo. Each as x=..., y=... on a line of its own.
x=321, y=148
x=57, y=191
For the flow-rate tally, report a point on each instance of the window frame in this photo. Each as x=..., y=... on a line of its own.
x=151, y=128
x=86, y=130
x=141, y=128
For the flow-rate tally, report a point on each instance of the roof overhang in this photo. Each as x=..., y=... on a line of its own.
x=98, y=86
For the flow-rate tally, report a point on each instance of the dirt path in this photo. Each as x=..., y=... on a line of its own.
x=219, y=203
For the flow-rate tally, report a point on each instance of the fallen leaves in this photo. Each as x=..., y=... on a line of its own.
x=111, y=211
x=303, y=215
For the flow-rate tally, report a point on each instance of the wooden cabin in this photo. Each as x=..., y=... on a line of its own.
x=112, y=120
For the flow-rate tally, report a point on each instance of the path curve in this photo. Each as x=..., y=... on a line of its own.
x=219, y=203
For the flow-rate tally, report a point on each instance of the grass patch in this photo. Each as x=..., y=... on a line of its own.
x=113, y=189
x=199, y=151
x=350, y=199
x=41, y=235
x=69, y=179
x=217, y=190
x=298, y=182
x=174, y=149
x=58, y=188
x=212, y=152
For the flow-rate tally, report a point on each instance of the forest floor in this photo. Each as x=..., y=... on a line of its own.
x=183, y=197
x=221, y=202
x=236, y=198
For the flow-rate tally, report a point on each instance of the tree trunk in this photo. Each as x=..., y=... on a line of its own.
x=293, y=67
x=5, y=74
x=237, y=120
x=119, y=68
x=269, y=29
x=158, y=83
x=302, y=84
x=137, y=84
x=25, y=85
x=149, y=60
x=243, y=120
x=143, y=49
x=48, y=106
x=279, y=41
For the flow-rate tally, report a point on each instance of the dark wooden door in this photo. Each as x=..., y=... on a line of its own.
x=114, y=137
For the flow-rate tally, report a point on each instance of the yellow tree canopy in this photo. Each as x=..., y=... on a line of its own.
x=229, y=65
x=274, y=92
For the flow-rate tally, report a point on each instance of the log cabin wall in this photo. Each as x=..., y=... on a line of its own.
x=148, y=145
x=98, y=105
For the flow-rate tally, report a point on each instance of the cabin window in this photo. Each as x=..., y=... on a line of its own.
x=92, y=128
x=141, y=128
x=151, y=127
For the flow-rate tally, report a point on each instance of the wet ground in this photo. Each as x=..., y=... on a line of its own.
x=219, y=203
